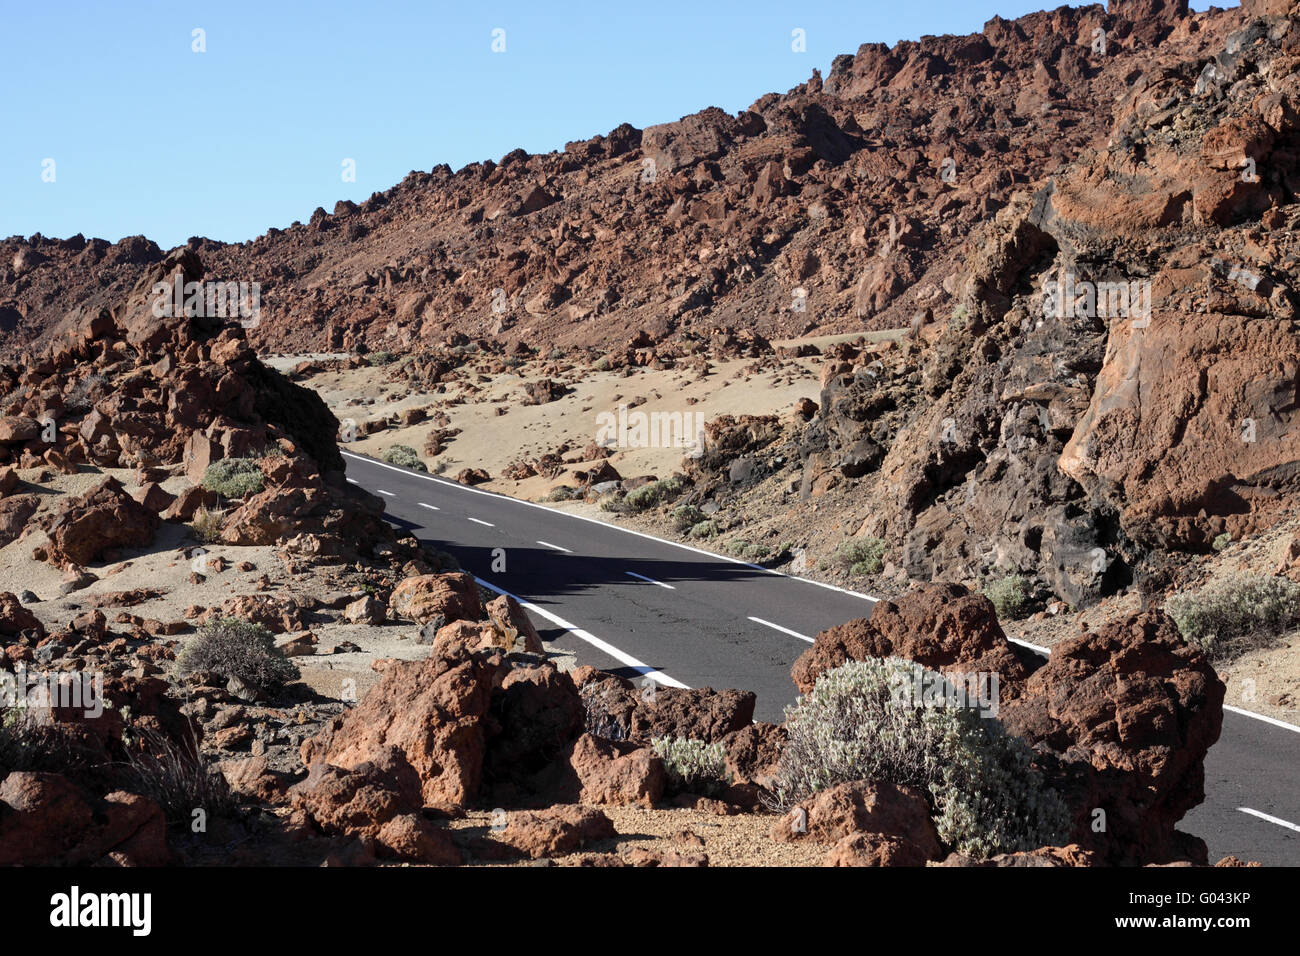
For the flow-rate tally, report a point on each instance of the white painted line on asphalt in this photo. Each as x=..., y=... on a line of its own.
x=430, y=507
x=481, y=521
x=605, y=524
x=1268, y=720
x=382, y=492
x=1036, y=648
x=556, y=547
x=354, y=481
x=783, y=630
x=1265, y=816
x=642, y=577
x=654, y=674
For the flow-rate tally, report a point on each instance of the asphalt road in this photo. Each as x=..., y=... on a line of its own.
x=650, y=608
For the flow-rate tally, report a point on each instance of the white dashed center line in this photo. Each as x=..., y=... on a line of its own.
x=783, y=630
x=480, y=521
x=642, y=577
x=556, y=547
x=430, y=507
x=1264, y=816
x=382, y=492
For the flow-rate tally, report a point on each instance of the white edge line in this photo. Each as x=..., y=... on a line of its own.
x=1268, y=720
x=656, y=675
x=555, y=546
x=783, y=630
x=722, y=557
x=1264, y=816
x=606, y=524
x=1036, y=648
x=642, y=577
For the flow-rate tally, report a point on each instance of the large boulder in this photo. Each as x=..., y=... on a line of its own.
x=45, y=820
x=103, y=519
x=619, y=710
x=433, y=711
x=441, y=598
x=941, y=626
x=1122, y=720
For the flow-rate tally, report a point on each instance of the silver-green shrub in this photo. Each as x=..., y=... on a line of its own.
x=861, y=721
x=694, y=766
x=1233, y=614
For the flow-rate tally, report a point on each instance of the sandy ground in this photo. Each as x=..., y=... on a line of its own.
x=741, y=840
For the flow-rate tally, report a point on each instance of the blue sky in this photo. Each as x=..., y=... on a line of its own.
x=148, y=136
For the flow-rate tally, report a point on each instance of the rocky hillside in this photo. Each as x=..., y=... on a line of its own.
x=1039, y=431
x=845, y=203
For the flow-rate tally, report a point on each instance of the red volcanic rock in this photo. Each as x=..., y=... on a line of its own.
x=430, y=597
x=104, y=518
x=941, y=626
x=433, y=711
x=599, y=771
x=619, y=710
x=511, y=620
x=1123, y=719
x=554, y=831
x=877, y=823
x=16, y=619
x=45, y=820
x=1048, y=856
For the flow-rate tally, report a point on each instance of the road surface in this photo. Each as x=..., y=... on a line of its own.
x=646, y=607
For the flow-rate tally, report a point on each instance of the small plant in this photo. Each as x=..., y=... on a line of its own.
x=234, y=477
x=686, y=517
x=705, y=529
x=1222, y=541
x=694, y=766
x=750, y=551
x=405, y=457
x=176, y=777
x=654, y=493
x=30, y=745
x=206, y=525
x=381, y=357
x=563, y=493
x=239, y=649
x=601, y=364
x=860, y=722
x=862, y=555
x=1010, y=596
x=1232, y=615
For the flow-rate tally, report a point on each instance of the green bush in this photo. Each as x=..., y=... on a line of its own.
x=232, y=647
x=705, y=529
x=1010, y=596
x=686, y=517
x=862, y=555
x=234, y=477
x=861, y=722
x=749, y=550
x=381, y=357
x=1222, y=541
x=1235, y=614
x=654, y=493
x=406, y=457
x=694, y=766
